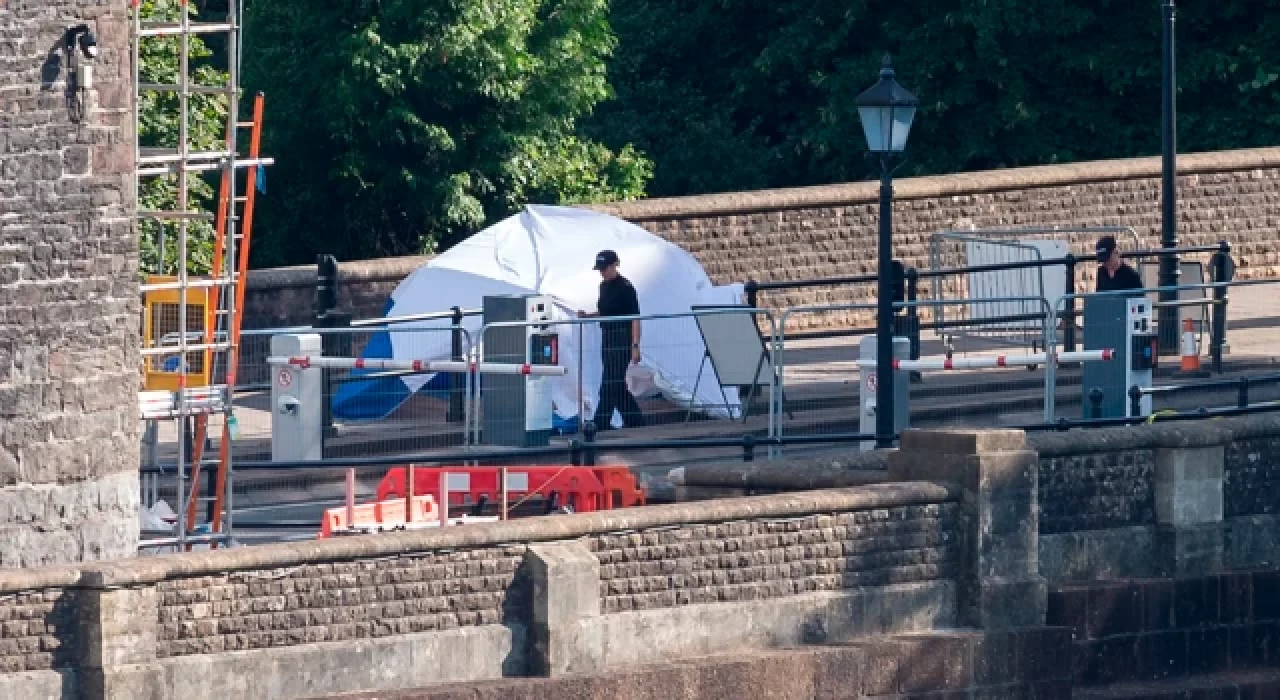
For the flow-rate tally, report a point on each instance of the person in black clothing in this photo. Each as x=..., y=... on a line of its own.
x=1113, y=273
x=620, y=343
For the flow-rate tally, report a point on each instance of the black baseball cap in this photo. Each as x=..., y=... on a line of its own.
x=1105, y=247
x=605, y=258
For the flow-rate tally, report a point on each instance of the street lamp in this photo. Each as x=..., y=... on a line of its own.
x=1170, y=267
x=886, y=110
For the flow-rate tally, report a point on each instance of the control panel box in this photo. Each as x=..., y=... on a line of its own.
x=516, y=410
x=1125, y=326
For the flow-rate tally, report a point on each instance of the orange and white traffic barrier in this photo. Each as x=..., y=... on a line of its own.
x=1190, y=348
x=1002, y=360
x=380, y=516
x=447, y=366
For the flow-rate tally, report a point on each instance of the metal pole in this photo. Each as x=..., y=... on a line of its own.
x=1169, y=264
x=1218, y=331
x=884, y=312
x=456, y=401
x=503, y=511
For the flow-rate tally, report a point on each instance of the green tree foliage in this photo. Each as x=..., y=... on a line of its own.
x=159, y=116
x=400, y=125
x=727, y=95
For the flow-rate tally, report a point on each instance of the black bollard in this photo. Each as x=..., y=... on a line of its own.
x=1135, y=401
x=748, y=448
x=1242, y=399
x=1095, y=403
x=589, y=444
x=456, y=410
x=1069, y=313
x=575, y=452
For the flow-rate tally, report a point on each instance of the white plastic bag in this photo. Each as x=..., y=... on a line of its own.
x=641, y=382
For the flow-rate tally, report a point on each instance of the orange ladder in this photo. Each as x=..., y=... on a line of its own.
x=219, y=312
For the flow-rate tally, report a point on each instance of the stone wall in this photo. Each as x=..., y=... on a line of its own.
x=1096, y=490
x=815, y=232
x=542, y=595
x=1117, y=502
x=341, y=601
x=38, y=630
x=68, y=292
x=286, y=296
x=1160, y=629
x=757, y=560
x=826, y=231
x=1252, y=479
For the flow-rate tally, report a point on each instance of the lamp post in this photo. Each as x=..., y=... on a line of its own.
x=1170, y=268
x=886, y=110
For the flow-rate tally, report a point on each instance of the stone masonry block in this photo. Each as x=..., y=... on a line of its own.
x=566, y=597
x=1189, y=485
x=963, y=442
x=118, y=626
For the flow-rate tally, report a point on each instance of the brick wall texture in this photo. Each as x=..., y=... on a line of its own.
x=38, y=630
x=687, y=564
x=829, y=231
x=1160, y=629
x=68, y=289
x=1097, y=491
x=1251, y=478
x=342, y=601
x=754, y=560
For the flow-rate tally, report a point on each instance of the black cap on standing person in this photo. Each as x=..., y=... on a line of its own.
x=1114, y=274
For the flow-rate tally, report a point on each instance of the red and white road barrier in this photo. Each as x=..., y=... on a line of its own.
x=447, y=366
x=1001, y=360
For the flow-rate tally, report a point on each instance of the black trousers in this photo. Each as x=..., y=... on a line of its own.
x=613, y=390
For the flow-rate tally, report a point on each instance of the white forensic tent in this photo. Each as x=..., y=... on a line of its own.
x=551, y=250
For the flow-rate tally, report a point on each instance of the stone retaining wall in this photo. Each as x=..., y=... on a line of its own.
x=483, y=601
x=38, y=630
x=1096, y=491
x=815, y=232
x=340, y=601
x=1252, y=480
x=760, y=559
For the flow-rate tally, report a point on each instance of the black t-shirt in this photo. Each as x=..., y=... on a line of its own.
x=1125, y=278
x=617, y=298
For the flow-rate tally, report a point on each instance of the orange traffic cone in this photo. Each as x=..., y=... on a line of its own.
x=1190, y=350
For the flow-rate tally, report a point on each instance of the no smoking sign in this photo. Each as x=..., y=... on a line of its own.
x=871, y=382
x=284, y=378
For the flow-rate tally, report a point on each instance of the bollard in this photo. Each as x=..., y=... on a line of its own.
x=1095, y=403
x=1069, y=315
x=456, y=410
x=1242, y=398
x=1222, y=271
x=1063, y=425
x=1135, y=401
x=752, y=290
x=575, y=452
x=748, y=448
x=913, y=320
x=326, y=284
x=589, y=444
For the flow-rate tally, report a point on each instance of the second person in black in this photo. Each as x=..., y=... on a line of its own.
x=619, y=343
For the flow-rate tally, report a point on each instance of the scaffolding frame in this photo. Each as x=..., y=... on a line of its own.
x=190, y=405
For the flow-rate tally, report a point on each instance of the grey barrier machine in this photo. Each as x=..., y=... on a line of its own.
x=297, y=400
x=868, y=389
x=1125, y=326
x=516, y=410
